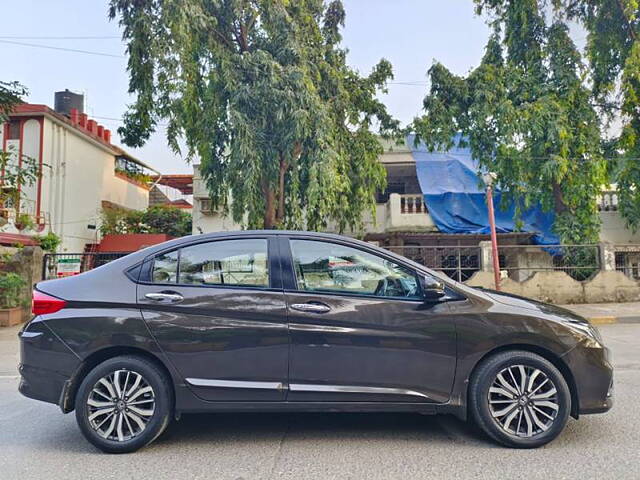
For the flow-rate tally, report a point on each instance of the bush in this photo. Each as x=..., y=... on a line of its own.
x=10, y=286
x=158, y=219
x=49, y=242
x=170, y=220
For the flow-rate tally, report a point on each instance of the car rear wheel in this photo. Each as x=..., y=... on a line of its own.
x=123, y=404
x=519, y=399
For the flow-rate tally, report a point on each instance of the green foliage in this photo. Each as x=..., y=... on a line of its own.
x=142, y=178
x=15, y=175
x=261, y=94
x=11, y=285
x=24, y=221
x=49, y=242
x=613, y=51
x=525, y=113
x=170, y=220
x=10, y=95
x=157, y=219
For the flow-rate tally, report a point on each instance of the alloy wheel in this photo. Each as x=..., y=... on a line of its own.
x=523, y=401
x=120, y=405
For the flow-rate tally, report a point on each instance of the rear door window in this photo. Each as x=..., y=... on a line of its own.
x=227, y=262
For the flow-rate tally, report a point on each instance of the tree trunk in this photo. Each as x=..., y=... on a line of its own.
x=558, y=198
x=270, y=221
x=281, y=195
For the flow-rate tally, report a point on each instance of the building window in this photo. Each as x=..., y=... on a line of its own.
x=14, y=130
x=392, y=187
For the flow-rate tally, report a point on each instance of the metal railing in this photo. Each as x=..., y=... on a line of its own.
x=57, y=265
x=580, y=262
x=457, y=261
x=520, y=262
x=627, y=259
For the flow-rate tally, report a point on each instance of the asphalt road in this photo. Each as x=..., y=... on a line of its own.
x=37, y=441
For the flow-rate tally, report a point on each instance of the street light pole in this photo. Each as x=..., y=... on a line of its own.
x=489, y=178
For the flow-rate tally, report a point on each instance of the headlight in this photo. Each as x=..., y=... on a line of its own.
x=590, y=331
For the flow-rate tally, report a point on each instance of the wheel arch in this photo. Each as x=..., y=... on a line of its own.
x=547, y=355
x=68, y=395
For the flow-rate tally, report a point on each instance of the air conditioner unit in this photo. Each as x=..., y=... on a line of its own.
x=205, y=205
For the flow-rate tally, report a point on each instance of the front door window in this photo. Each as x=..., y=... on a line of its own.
x=334, y=268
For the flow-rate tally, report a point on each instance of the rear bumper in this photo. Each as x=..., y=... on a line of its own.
x=46, y=363
x=41, y=384
x=593, y=375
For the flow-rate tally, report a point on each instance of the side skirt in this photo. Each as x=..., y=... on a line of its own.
x=187, y=402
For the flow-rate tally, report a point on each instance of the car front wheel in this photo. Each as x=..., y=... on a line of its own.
x=519, y=399
x=123, y=404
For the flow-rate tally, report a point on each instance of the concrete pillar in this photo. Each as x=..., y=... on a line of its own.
x=486, y=258
x=607, y=253
x=394, y=210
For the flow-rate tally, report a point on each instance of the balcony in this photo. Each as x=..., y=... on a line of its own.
x=401, y=213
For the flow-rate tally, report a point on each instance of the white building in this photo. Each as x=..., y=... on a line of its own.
x=205, y=218
x=82, y=171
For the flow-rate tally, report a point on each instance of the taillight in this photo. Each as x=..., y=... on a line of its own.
x=43, y=303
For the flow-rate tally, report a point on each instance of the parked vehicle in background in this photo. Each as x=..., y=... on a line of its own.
x=298, y=321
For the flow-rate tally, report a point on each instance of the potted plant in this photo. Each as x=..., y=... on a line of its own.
x=11, y=285
x=24, y=222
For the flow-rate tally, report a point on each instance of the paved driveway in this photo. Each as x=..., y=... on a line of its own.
x=37, y=442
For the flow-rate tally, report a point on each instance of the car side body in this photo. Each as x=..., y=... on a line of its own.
x=235, y=348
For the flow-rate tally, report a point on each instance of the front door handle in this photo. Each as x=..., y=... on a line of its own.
x=311, y=307
x=165, y=297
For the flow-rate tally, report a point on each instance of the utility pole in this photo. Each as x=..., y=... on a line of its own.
x=489, y=178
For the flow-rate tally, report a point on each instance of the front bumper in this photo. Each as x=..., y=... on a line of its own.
x=593, y=376
x=46, y=363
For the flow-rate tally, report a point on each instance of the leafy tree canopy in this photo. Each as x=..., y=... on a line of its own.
x=613, y=51
x=11, y=94
x=262, y=95
x=525, y=113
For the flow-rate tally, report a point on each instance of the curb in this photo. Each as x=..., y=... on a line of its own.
x=608, y=320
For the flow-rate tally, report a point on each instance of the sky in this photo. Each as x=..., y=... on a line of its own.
x=411, y=34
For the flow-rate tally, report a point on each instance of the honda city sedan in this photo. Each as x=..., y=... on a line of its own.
x=297, y=321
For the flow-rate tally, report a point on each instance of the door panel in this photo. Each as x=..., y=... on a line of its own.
x=228, y=341
x=359, y=328
x=370, y=349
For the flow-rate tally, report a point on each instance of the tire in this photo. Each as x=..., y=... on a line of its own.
x=119, y=429
x=504, y=413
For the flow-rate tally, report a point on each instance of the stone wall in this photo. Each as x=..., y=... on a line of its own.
x=558, y=287
x=26, y=262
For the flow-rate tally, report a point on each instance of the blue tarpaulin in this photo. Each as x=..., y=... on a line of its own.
x=455, y=197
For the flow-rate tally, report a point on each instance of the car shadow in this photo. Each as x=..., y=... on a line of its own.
x=249, y=427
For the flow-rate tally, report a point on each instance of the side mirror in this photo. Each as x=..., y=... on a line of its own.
x=432, y=288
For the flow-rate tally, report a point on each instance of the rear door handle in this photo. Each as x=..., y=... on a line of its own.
x=165, y=297
x=311, y=307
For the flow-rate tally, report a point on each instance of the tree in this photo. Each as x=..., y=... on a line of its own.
x=613, y=51
x=262, y=95
x=11, y=94
x=525, y=113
